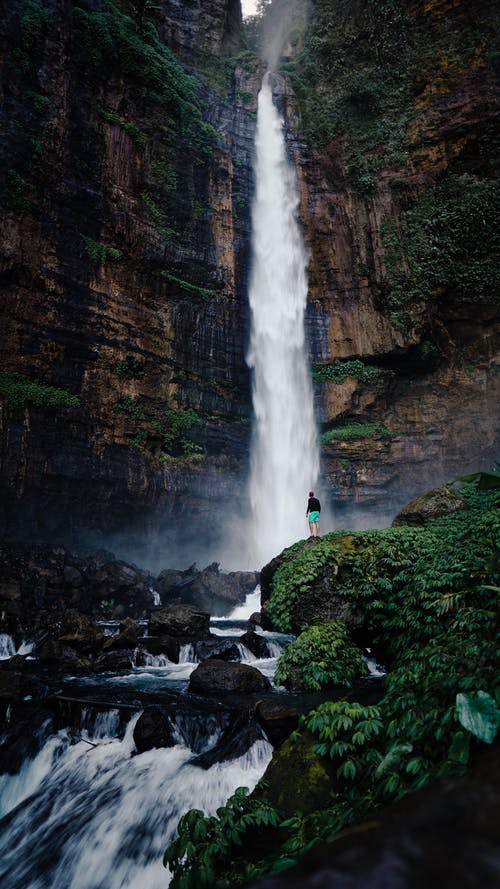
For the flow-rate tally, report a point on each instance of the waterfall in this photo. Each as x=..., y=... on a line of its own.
x=284, y=459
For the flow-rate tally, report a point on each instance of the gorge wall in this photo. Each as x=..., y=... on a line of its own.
x=126, y=182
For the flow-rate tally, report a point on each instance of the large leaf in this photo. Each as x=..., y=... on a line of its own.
x=479, y=714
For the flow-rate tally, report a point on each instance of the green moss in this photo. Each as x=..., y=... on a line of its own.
x=17, y=192
x=354, y=431
x=338, y=371
x=447, y=246
x=100, y=253
x=193, y=289
x=18, y=390
x=158, y=217
x=138, y=137
x=131, y=408
x=320, y=657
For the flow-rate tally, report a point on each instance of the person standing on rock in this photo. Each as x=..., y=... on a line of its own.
x=313, y=512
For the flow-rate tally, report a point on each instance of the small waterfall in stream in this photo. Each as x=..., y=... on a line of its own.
x=284, y=460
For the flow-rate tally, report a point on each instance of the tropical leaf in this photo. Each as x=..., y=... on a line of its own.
x=479, y=714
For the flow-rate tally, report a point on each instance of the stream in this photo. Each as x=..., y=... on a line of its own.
x=87, y=811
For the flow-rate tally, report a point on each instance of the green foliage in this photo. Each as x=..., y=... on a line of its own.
x=18, y=390
x=30, y=39
x=193, y=289
x=129, y=367
x=441, y=693
x=41, y=104
x=131, y=408
x=174, y=429
x=447, y=245
x=293, y=579
x=340, y=370
x=17, y=192
x=158, y=217
x=139, y=138
x=109, y=42
x=320, y=657
x=479, y=714
x=354, y=431
x=164, y=174
x=100, y=253
x=204, y=845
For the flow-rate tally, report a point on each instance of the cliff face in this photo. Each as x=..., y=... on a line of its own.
x=124, y=254
x=392, y=205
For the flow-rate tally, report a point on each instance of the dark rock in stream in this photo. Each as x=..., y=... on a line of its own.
x=114, y=661
x=214, y=676
x=217, y=648
x=255, y=643
x=166, y=645
x=79, y=632
x=277, y=720
x=180, y=620
x=54, y=652
x=126, y=638
x=236, y=740
x=153, y=729
x=210, y=589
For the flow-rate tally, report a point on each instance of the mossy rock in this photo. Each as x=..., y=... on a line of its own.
x=436, y=503
x=311, y=776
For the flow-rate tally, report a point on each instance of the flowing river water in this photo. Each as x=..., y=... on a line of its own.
x=88, y=812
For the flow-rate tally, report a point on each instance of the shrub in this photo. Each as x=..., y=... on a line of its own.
x=354, y=431
x=100, y=253
x=320, y=657
x=18, y=390
x=340, y=370
x=131, y=408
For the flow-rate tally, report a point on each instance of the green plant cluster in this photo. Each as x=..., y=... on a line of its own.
x=354, y=431
x=109, y=41
x=174, y=428
x=131, y=408
x=340, y=370
x=320, y=657
x=430, y=597
x=29, y=39
x=19, y=391
x=17, y=192
x=129, y=367
x=294, y=577
x=447, y=245
x=138, y=137
x=100, y=253
x=193, y=289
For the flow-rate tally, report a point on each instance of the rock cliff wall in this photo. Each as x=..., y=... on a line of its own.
x=126, y=180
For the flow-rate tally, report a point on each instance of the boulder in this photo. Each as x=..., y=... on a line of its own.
x=180, y=620
x=11, y=685
x=215, y=676
x=153, y=729
x=125, y=638
x=256, y=644
x=211, y=590
x=219, y=648
x=114, y=660
x=235, y=741
x=167, y=645
x=277, y=720
x=55, y=652
x=435, y=503
x=78, y=631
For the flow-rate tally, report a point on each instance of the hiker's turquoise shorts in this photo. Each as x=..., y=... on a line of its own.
x=314, y=516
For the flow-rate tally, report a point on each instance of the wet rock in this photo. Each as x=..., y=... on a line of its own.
x=435, y=503
x=55, y=652
x=210, y=589
x=180, y=620
x=221, y=649
x=114, y=660
x=167, y=645
x=214, y=676
x=236, y=740
x=277, y=720
x=78, y=631
x=11, y=685
x=256, y=644
x=126, y=638
x=153, y=729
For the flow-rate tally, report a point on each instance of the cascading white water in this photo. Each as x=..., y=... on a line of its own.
x=284, y=460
